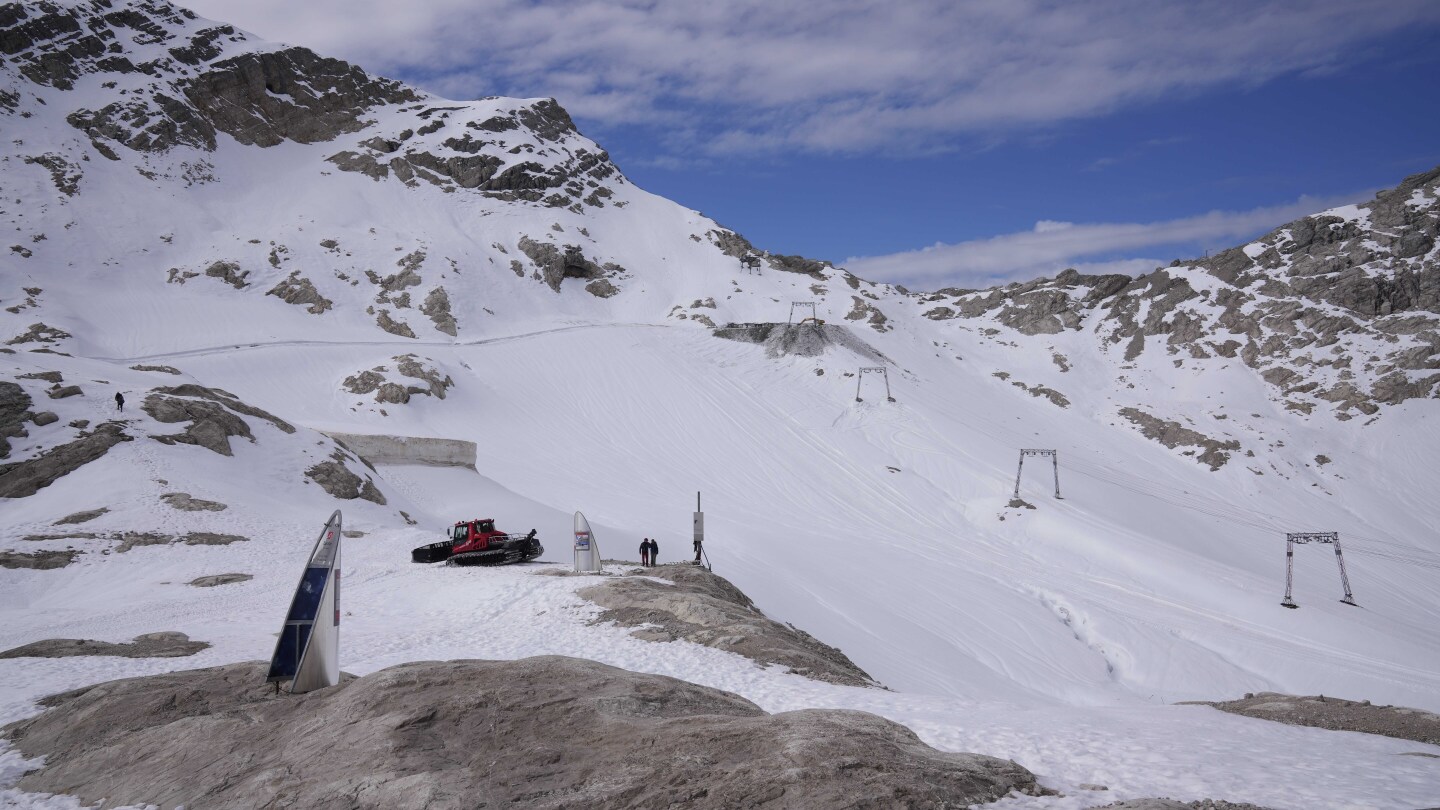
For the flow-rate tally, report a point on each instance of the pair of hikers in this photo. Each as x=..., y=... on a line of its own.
x=649, y=551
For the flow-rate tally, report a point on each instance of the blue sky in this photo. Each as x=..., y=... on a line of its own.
x=944, y=142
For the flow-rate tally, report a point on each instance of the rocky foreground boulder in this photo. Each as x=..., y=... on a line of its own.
x=545, y=732
x=704, y=608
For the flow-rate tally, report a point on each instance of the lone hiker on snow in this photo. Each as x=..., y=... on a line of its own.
x=119, y=401
x=645, y=552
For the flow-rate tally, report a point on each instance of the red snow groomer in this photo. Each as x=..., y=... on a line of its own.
x=478, y=542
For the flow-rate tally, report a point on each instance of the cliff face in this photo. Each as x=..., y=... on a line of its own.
x=150, y=77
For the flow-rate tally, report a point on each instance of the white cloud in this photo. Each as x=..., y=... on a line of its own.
x=1053, y=246
x=837, y=76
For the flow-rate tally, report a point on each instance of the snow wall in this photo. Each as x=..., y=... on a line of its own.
x=382, y=449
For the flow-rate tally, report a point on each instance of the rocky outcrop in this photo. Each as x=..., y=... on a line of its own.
x=39, y=333
x=798, y=340
x=149, y=645
x=14, y=410
x=215, y=580
x=398, y=393
x=1173, y=434
x=701, y=607
x=556, y=265
x=39, y=560
x=211, y=414
x=337, y=479
x=1336, y=714
x=1338, y=309
x=25, y=478
x=82, y=517
x=437, y=307
x=185, y=503
x=394, y=327
x=298, y=290
x=547, y=732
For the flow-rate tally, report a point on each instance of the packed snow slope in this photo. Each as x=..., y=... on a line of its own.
x=265, y=229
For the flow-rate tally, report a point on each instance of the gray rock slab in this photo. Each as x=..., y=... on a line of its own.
x=1172, y=804
x=546, y=732
x=219, y=579
x=25, y=478
x=81, y=517
x=42, y=560
x=1337, y=714
x=167, y=644
x=185, y=503
x=704, y=608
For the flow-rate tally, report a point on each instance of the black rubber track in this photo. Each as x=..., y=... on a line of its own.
x=495, y=557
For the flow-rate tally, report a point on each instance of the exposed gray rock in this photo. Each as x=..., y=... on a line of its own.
x=24, y=478
x=63, y=174
x=41, y=560
x=211, y=539
x=211, y=424
x=161, y=369
x=167, y=644
x=1336, y=714
x=1172, y=804
x=185, y=503
x=132, y=540
x=45, y=418
x=211, y=414
x=1173, y=434
x=63, y=391
x=335, y=478
x=219, y=579
x=801, y=340
x=706, y=609
x=547, y=732
x=437, y=306
x=602, y=288
x=230, y=273
x=14, y=410
x=411, y=366
x=556, y=265
x=296, y=289
x=81, y=517
x=864, y=310
x=39, y=333
x=394, y=327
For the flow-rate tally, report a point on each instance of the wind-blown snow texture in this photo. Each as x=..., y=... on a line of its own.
x=255, y=228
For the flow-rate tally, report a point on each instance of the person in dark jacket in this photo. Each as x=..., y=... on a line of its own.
x=698, y=548
x=119, y=401
x=645, y=552
x=654, y=553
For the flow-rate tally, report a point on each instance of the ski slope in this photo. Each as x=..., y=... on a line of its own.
x=1059, y=636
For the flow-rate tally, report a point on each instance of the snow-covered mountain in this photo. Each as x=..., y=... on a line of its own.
x=261, y=247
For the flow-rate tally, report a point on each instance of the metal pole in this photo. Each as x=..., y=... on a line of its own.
x=1017, y=474
x=1289, y=572
x=1344, y=580
x=887, y=386
x=858, y=377
x=1055, y=459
